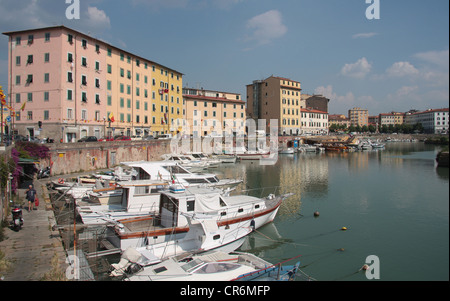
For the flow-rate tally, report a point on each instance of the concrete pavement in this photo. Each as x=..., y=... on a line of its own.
x=35, y=252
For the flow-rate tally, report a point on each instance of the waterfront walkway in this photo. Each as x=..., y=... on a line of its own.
x=35, y=252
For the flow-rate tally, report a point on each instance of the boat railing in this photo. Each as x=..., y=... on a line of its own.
x=264, y=191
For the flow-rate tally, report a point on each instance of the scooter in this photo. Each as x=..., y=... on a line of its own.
x=44, y=173
x=17, y=219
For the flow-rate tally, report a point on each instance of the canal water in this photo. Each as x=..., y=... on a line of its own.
x=393, y=202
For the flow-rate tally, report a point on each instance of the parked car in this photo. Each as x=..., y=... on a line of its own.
x=164, y=137
x=137, y=137
x=88, y=139
x=107, y=138
x=149, y=137
x=121, y=138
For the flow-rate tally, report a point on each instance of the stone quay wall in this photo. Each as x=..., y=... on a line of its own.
x=85, y=157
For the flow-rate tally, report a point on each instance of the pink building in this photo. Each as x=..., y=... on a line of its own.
x=56, y=84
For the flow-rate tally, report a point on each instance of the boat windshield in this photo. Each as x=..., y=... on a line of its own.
x=216, y=267
x=192, y=264
x=175, y=169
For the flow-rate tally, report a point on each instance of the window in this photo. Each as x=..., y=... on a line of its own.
x=70, y=57
x=30, y=39
x=46, y=115
x=69, y=114
x=97, y=99
x=47, y=37
x=97, y=66
x=30, y=97
x=70, y=38
x=84, y=43
x=84, y=62
x=18, y=40
x=97, y=48
x=84, y=80
x=46, y=96
x=109, y=69
x=17, y=60
x=83, y=97
x=30, y=59
x=69, y=94
x=46, y=78
x=30, y=115
x=69, y=77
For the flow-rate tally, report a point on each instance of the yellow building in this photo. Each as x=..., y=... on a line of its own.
x=358, y=116
x=143, y=97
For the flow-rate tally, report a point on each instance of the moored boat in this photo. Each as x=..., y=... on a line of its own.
x=228, y=212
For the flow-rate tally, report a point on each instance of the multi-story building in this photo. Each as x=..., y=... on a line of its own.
x=209, y=112
x=392, y=118
x=316, y=102
x=65, y=84
x=276, y=98
x=339, y=119
x=434, y=121
x=314, y=122
x=358, y=116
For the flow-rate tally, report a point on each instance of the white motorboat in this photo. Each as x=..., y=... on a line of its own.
x=211, y=162
x=212, y=266
x=228, y=212
x=226, y=158
x=286, y=151
x=137, y=198
x=187, y=162
x=244, y=154
x=204, y=234
x=172, y=171
x=307, y=148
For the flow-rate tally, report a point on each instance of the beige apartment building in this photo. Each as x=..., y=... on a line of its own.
x=392, y=118
x=66, y=85
x=358, y=116
x=276, y=98
x=338, y=119
x=212, y=113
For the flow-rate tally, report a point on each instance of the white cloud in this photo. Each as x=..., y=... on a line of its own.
x=266, y=27
x=364, y=35
x=339, y=101
x=407, y=90
x=357, y=70
x=97, y=18
x=402, y=69
x=439, y=58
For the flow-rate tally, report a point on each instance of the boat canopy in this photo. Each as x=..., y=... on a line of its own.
x=208, y=202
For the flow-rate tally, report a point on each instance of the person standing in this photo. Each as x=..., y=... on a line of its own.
x=31, y=197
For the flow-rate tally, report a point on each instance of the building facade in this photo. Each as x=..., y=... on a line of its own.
x=339, y=120
x=213, y=113
x=392, y=118
x=434, y=121
x=314, y=122
x=358, y=116
x=66, y=85
x=276, y=98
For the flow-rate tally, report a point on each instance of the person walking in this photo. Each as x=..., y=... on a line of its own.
x=31, y=197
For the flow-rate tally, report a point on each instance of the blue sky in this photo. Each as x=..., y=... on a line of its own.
x=396, y=63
